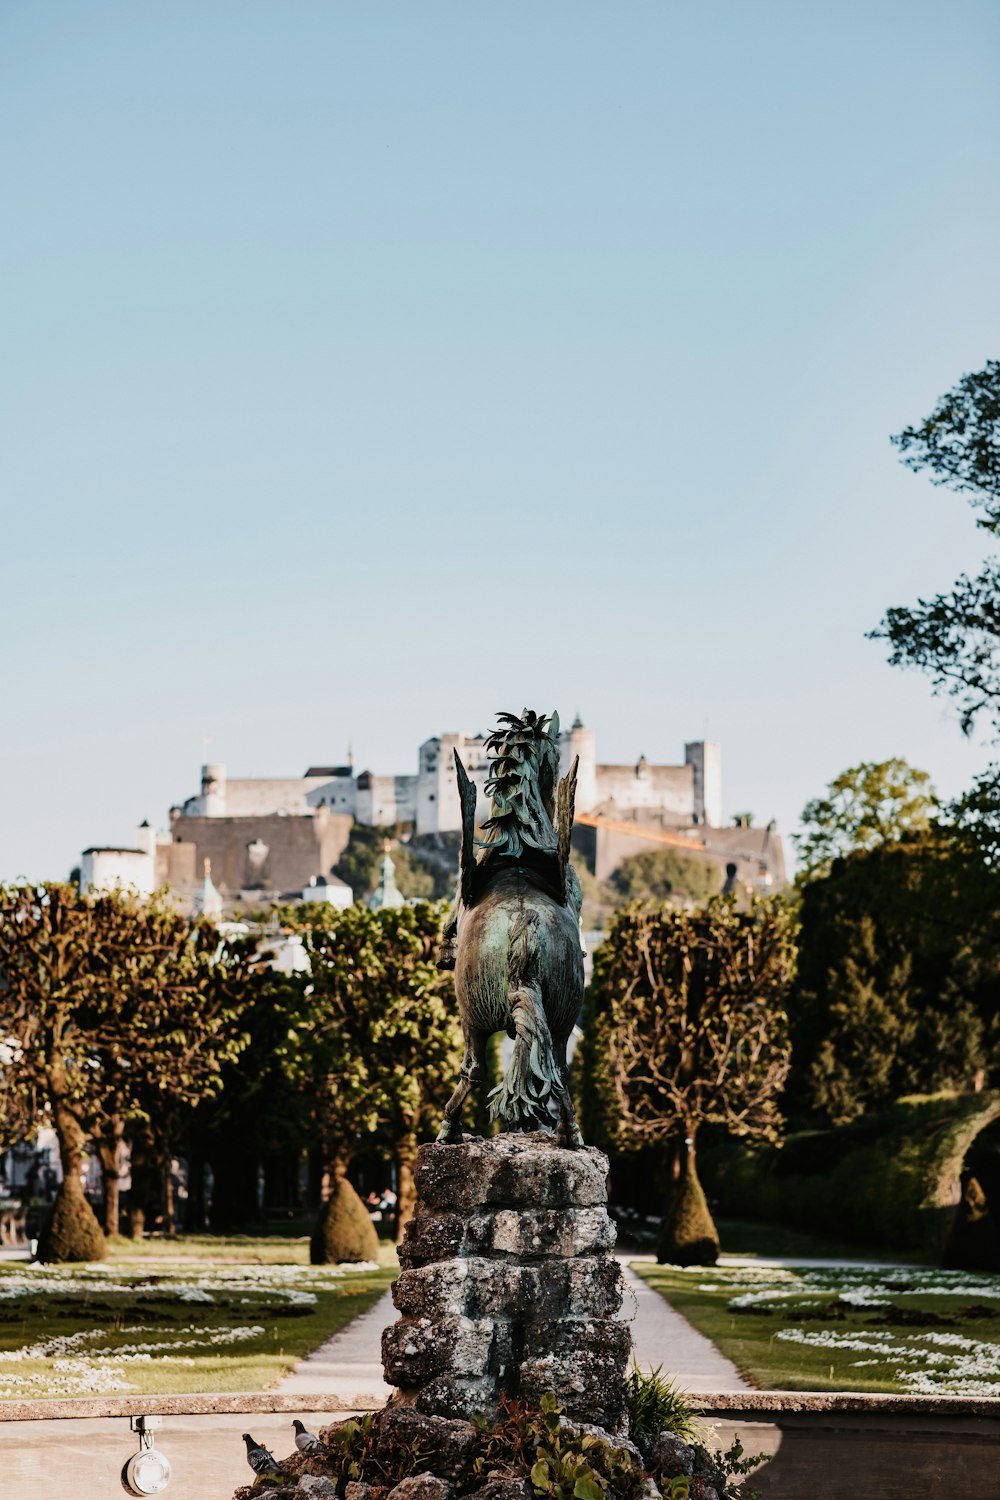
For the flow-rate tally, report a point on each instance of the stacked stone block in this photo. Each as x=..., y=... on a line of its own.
x=508, y=1283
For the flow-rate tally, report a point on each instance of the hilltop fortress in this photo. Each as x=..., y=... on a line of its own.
x=279, y=839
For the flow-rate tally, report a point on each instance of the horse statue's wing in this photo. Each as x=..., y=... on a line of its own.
x=467, y=797
x=565, y=800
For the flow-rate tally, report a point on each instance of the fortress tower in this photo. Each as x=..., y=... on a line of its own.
x=578, y=740
x=213, y=790
x=705, y=759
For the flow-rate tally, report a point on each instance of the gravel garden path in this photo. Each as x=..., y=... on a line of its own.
x=350, y=1363
x=662, y=1337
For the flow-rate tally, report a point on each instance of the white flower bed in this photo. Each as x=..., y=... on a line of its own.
x=94, y=1361
x=924, y=1363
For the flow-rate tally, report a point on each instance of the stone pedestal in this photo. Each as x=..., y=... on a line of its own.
x=509, y=1284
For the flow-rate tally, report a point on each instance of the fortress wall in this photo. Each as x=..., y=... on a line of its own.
x=384, y=800
x=297, y=848
x=667, y=788
x=251, y=798
x=339, y=794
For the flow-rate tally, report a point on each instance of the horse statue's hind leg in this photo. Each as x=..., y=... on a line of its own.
x=568, y=1132
x=472, y=1074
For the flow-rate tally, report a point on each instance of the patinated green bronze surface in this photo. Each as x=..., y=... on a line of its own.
x=515, y=932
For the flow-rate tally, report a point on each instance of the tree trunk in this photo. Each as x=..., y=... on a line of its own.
x=71, y=1232
x=169, y=1219
x=406, y=1161
x=109, y=1175
x=319, y=1187
x=109, y=1149
x=144, y=1194
x=688, y=1236
x=196, y=1188
x=69, y=1134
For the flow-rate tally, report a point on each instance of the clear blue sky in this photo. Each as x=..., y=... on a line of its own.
x=368, y=368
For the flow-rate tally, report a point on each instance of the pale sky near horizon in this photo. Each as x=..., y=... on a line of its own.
x=369, y=369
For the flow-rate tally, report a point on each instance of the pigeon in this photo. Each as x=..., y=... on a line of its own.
x=259, y=1459
x=308, y=1443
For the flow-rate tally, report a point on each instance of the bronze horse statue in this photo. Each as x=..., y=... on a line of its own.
x=514, y=935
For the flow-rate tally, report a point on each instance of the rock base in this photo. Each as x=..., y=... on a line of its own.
x=508, y=1283
x=400, y=1454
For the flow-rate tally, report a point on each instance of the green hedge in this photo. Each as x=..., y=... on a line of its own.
x=888, y=1179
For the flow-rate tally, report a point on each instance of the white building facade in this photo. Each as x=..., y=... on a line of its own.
x=275, y=835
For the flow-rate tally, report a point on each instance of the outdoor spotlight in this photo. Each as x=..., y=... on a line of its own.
x=148, y=1471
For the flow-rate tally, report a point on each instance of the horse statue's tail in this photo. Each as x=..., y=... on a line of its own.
x=533, y=1078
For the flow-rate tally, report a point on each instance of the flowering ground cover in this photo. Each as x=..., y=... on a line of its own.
x=915, y=1330
x=169, y=1324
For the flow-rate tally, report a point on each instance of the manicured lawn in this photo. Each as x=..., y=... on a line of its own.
x=234, y=1315
x=259, y=1250
x=913, y=1330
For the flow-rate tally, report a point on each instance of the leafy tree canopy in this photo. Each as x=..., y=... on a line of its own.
x=360, y=863
x=659, y=874
x=689, y=1023
x=960, y=442
x=377, y=1045
x=898, y=983
x=955, y=636
x=687, y=1027
x=976, y=816
x=111, y=1007
x=875, y=803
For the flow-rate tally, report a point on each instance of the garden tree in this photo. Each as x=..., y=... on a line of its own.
x=201, y=1040
x=897, y=988
x=874, y=803
x=659, y=874
x=688, y=1028
x=652, y=875
x=379, y=1046
x=102, y=997
x=361, y=860
x=955, y=637
x=975, y=818
x=263, y=1111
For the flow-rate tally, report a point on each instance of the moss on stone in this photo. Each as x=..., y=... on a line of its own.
x=344, y=1230
x=71, y=1232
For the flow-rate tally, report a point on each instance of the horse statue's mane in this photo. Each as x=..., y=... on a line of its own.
x=531, y=810
x=522, y=784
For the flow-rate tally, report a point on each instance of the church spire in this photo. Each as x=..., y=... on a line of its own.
x=208, y=902
x=387, y=892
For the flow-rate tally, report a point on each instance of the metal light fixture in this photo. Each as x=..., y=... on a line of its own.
x=148, y=1471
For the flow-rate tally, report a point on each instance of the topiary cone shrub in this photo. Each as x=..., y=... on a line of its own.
x=688, y=1236
x=344, y=1230
x=71, y=1232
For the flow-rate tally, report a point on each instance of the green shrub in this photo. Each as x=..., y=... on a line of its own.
x=888, y=1179
x=71, y=1232
x=521, y=1440
x=657, y=1404
x=344, y=1230
x=688, y=1236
